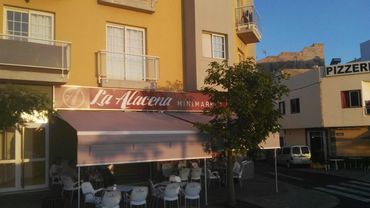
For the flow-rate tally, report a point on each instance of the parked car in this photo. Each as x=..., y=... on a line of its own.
x=294, y=155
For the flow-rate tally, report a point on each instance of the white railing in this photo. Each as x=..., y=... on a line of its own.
x=124, y=66
x=35, y=52
x=247, y=16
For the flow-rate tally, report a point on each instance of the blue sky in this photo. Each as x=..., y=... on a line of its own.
x=290, y=25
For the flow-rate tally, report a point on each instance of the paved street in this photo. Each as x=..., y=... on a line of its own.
x=350, y=192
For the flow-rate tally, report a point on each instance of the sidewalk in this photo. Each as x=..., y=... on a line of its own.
x=258, y=192
x=356, y=174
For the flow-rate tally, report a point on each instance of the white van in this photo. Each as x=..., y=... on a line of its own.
x=294, y=155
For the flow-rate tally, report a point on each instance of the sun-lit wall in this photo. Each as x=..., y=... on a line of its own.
x=83, y=23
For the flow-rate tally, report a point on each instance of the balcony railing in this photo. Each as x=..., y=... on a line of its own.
x=26, y=52
x=248, y=22
x=127, y=67
x=140, y=5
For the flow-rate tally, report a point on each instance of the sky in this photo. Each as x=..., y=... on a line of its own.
x=291, y=25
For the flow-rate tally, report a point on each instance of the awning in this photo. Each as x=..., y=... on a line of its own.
x=272, y=140
x=130, y=137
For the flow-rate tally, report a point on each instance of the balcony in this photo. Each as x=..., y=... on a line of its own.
x=248, y=24
x=34, y=60
x=147, y=6
x=127, y=70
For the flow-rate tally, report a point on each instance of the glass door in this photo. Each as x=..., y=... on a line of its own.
x=9, y=170
x=33, y=154
x=23, y=158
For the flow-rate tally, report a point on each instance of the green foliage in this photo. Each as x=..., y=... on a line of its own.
x=244, y=110
x=15, y=100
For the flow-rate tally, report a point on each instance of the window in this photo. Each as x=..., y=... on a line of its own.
x=296, y=150
x=282, y=107
x=214, y=45
x=33, y=25
x=351, y=99
x=294, y=106
x=305, y=150
x=125, y=52
x=240, y=56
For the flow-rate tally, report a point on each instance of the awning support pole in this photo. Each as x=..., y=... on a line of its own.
x=79, y=193
x=276, y=175
x=150, y=171
x=205, y=181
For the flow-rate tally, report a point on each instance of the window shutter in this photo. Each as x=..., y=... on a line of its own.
x=345, y=100
x=207, y=45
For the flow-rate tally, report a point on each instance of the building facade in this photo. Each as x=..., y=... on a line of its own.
x=161, y=46
x=365, y=50
x=328, y=110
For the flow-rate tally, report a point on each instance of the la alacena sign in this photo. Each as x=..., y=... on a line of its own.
x=88, y=98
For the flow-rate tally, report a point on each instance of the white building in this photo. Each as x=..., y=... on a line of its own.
x=365, y=51
x=326, y=109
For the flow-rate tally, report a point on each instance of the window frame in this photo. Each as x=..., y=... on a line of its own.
x=241, y=56
x=346, y=100
x=282, y=107
x=29, y=13
x=125, y=28
x=212, y=37
x=297, y=106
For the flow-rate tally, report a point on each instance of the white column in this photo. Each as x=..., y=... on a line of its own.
x=205, y=182
x=79, y=192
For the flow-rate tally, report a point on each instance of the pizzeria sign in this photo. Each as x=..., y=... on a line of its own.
x=347, y=69
x=93, y=98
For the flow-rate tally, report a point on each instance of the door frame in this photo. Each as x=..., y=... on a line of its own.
x=323, y=141
x=19, y=161
x=46, y=159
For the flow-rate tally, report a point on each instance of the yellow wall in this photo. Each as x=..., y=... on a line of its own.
x=249, y=50
x=83, y=22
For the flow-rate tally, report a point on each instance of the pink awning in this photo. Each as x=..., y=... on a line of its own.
x=131, y=137
x=272, y=140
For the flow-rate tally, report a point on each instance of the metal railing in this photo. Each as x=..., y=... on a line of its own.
x=124, y=66
x=24, y=51
x=247, y=16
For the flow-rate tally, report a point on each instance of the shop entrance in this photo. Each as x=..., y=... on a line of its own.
x=23, y=158
x=317, y=146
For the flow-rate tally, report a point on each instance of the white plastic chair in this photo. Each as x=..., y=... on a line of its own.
x=192, y=191
x=111, y=199
x=156, y=191
x=174, y=179
x=184, y=174
x=54, y=174
x=138, y=196
x=69, y=185
x=213, y=176
x=90, y=193
x=171, y=193
x=167, y=169
x=195, y=174
x=239, y=176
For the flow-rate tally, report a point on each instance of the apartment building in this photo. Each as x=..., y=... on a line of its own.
x=103, y=61
x=328, y=109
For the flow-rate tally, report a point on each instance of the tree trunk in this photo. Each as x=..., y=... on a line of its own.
x=230, y=179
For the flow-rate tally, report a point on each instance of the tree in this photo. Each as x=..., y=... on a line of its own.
x=16, y=100
x=244, y=110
